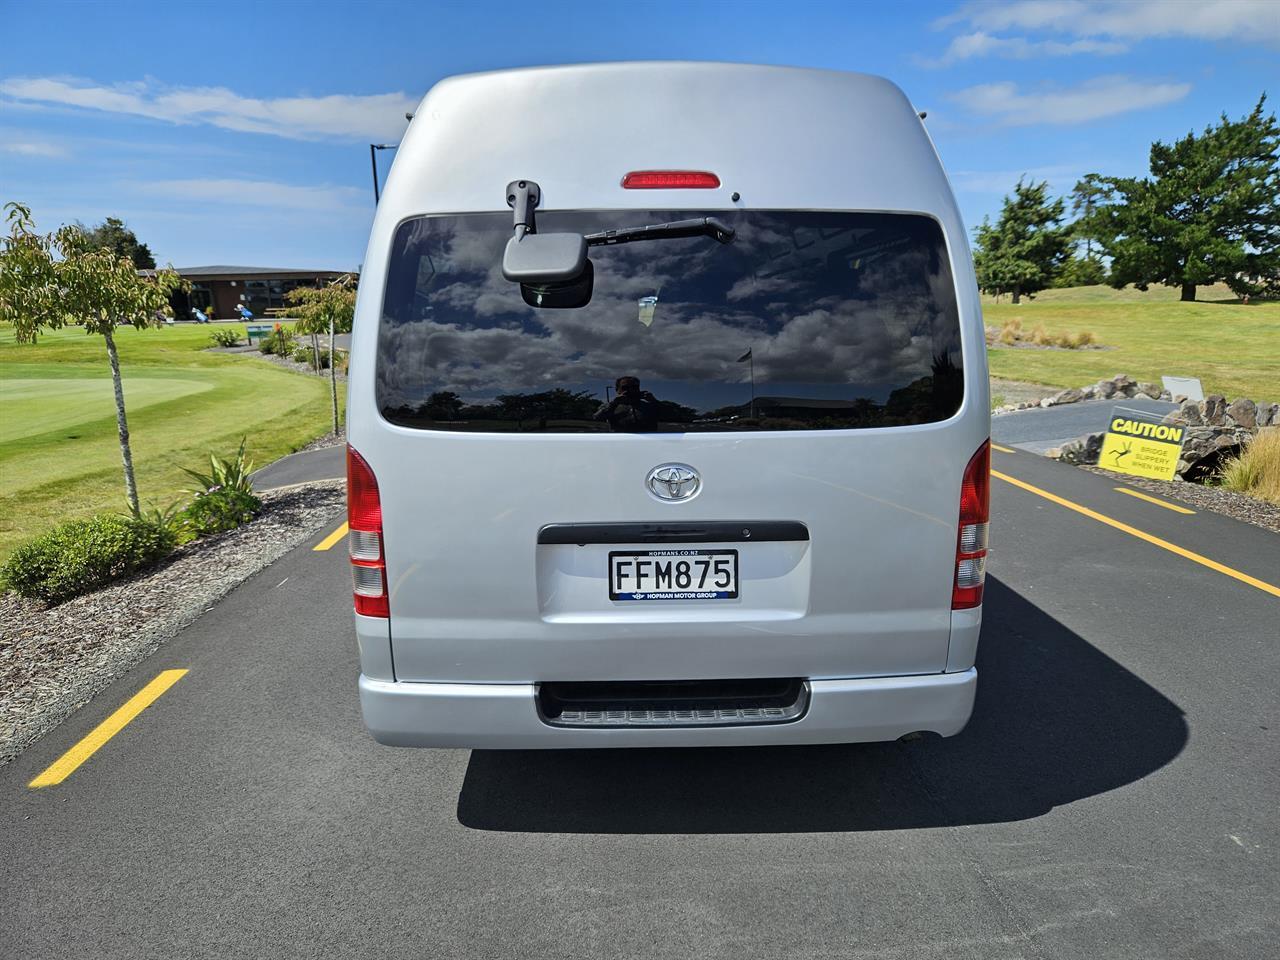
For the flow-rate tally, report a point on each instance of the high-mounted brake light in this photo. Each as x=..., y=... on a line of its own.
x=670, y=180
x=971, y=541
x=364, y=539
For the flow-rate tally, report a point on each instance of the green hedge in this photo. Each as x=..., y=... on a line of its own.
x=82, y=554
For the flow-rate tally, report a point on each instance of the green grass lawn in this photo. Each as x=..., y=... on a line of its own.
x=1234, y=349
x=59, y=455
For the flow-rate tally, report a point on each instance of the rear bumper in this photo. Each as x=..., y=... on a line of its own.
x=504, y=716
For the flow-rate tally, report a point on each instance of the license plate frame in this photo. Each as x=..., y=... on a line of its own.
x=673, y=556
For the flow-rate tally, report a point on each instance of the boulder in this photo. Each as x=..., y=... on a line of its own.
x=1149, y=390
x=1080, y=450
x=1070, y=395
x=1106, y=389
x=1090, y=392
x=1213, y=410
x=1165, y=395
x=1242, y=412
x=1188, y=413
x=1268, y=414
x=1205, y=446
x=1125, y=385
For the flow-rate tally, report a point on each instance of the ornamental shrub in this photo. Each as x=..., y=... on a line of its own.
x=303, y=353
x=219, y=510
x=225, y=473
x=78, y=556
x=279, y=341
x=225, y=337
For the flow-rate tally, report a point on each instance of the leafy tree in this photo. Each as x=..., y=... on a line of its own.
x=1085, y=271
x=50, y=280
x=113, y=236
x=1207, y=213
x=1023, y=251
x=444, y=405
x=333, y=308
x=557, y=404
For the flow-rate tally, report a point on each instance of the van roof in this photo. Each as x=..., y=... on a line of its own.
x=781, y=137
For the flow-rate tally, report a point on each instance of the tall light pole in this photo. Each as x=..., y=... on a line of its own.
x=373, y=162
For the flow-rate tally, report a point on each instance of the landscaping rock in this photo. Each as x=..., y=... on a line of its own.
x=1204, y=447
x=1106, y=389
x=1082, y=450
x=1213, y=409
x=1125, y=386
x=1149, y=390
x=1070, y=395
x=1188, y=413
x=1243, y=413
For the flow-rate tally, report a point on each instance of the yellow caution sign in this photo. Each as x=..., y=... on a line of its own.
x=1141, y=447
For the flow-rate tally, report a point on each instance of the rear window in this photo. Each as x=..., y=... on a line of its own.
x=805, y=321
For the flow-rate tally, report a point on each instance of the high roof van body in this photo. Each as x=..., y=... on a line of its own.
x=668, y=416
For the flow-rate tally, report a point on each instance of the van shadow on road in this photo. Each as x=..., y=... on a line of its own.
x=1056, y=721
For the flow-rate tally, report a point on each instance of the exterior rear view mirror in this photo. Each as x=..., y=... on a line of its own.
x=545, y=258
x=551, y=268
x=561, y=296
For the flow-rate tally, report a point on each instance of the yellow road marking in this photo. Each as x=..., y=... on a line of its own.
x=66, y=764
x=1143, y=535
x=996, y=446
x=332, y=538
x=1158, y=502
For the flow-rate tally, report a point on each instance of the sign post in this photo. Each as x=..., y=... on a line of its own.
x=1139, y=444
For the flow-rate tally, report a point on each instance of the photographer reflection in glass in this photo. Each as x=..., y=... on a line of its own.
x=632, y=410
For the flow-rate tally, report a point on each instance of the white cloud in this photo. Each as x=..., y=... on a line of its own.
x=1091, y=100
x=980, y=44
x=371, y=117
x=258, y=193
x=30, y=148
x=1061, y=177
x=1247, y=21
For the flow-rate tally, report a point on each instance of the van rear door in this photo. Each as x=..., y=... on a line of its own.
x=782, y=417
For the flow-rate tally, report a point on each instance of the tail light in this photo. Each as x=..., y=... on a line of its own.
x=971, y=542
x=670, y=180
x=364, y=539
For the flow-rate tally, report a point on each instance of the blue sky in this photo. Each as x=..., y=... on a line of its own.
x=238, y=133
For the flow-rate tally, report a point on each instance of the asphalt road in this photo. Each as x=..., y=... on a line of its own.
x=327, y=463
x=1115, y=794
x=1038, y=429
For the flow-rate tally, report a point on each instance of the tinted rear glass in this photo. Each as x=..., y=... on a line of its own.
x=804, y=321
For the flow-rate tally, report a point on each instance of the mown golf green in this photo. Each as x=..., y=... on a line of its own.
x=59, y=454
x=1233, y=348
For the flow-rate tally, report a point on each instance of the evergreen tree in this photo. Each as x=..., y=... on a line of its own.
x=113, y=236
x=1209, y=212
x=1025, y=249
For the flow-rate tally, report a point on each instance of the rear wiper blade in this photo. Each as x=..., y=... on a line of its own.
x=701, y=227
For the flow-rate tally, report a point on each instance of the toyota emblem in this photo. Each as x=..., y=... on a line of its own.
x=673, y=481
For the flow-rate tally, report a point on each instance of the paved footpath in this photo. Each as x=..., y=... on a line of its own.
x=327, y=463
x=1039, y=428
x=1115, y=795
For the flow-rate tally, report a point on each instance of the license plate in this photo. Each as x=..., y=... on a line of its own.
x=676, y=574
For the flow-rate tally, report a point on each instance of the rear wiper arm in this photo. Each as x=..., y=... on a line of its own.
x=701, y=227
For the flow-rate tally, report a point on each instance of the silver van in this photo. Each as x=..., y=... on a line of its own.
x=668, y=416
